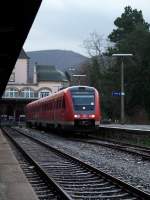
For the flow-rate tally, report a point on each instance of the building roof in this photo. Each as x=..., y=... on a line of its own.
x=23, y=55
x=49, y=73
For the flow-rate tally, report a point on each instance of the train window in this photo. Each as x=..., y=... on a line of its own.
x=63, y=102
x=50, y=105
x=45, y=106
x=83, y=102
x=59, y=103
x=55, y=104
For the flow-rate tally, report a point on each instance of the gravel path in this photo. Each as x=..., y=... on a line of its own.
x=124, y=166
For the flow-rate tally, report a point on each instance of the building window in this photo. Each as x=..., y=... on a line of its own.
x=11, y=93
x=12, y=77
x=44, y=93
x=27, y=93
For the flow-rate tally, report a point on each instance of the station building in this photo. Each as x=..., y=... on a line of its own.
x=20, y=91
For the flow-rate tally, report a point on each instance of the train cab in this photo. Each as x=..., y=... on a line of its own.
x=86, y=107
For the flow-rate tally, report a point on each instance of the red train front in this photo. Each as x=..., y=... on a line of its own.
x=75, y=107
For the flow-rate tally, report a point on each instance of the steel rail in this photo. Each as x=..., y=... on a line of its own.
x=50, y=180
x=144, y=148
x=40, y=185
x=135, y=193
x=132, y=149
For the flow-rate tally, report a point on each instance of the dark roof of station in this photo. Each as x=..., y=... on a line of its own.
x=16, y=20
x=49, y=73
x=23, y=55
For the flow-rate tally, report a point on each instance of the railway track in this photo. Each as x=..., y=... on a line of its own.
x=144, y=152
x=42, y=188
x=74, y=178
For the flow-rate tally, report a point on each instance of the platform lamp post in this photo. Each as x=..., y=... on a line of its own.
x=122, y=84
x=72, y=70
x=79, y=75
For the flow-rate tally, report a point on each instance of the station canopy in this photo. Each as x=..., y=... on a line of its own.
x=17, y=17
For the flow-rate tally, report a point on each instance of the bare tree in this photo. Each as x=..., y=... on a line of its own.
x=94, y=44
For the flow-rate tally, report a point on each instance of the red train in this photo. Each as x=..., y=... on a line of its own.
x=75, y=107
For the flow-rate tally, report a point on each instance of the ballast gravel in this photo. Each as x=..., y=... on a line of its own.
x=130, y=168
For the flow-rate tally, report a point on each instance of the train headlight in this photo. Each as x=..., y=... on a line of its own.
x=76, y=116
x=92, y=116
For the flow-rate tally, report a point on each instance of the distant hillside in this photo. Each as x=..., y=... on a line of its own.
x=61, y=59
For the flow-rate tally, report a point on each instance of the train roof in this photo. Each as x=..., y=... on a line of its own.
x=62, y=91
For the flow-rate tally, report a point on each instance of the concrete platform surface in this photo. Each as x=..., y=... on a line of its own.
x=13, y=183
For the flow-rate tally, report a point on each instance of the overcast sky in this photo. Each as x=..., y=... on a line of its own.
x=65, y=24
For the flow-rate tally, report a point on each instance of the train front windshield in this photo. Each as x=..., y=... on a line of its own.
x=84, y=102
